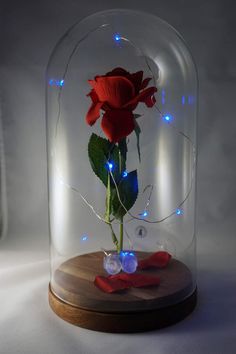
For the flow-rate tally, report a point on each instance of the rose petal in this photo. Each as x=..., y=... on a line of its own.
x=157, y=260
x=116, y=90
x=160, y=259
x=93, y=113
x=118, y=72
x=136, y=79
x=143, y=96
x=150, y=101
x=94, y=97
x=109, y=285
x=114, y=283
x=117, y=124
x=145, y=83
x=137, y=280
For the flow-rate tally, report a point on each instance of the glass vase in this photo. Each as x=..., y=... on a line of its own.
x=121, y=135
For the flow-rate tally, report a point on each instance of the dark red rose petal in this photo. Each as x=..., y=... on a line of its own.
x=123, y=281
x=150, y=101
x=137, y=280
x=118, y=72
x=145, y=83
x=158, y=260
x=94, y=97
x=117, y=124
x=93, y=113
x=109, y=285
x=115, y=90
x=117, y=93
x=143, y=96
x=136, y=79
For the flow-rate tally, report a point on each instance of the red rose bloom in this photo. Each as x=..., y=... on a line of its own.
x=118, y=93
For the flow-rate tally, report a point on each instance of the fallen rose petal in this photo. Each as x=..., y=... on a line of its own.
x=158, y=260
x=137, y=280
x=109, y=285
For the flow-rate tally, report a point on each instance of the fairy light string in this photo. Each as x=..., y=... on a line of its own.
x=171, y=125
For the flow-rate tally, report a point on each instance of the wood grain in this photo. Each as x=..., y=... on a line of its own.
x=123, y=322
x=73, y=283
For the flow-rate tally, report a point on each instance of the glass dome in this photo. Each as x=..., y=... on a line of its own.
x=121, y=135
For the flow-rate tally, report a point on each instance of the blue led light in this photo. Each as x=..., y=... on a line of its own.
x=54, y=82
x=124, y=174
x=110, y=166
x=117, y=37
x=179, y=212
x=84, y=238
x=168, y=118
x=144, y=214
x=183, y=99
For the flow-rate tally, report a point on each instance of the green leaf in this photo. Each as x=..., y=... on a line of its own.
x=137, y=132
x=101, y=151
x=128, y=192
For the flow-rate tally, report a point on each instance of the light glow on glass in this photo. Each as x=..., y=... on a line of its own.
x=163, y=96
x=84, y=238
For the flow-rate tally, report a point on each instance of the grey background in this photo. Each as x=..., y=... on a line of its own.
x=29, y=30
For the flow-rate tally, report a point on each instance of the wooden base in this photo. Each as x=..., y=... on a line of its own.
x=123, y=322
x=74, y=297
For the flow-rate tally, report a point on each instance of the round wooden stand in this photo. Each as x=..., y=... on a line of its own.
x=74, y=297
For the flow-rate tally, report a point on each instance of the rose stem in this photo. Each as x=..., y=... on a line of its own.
x=121, y=218
x=114, y=238
x=121, y=235
x=108, y=211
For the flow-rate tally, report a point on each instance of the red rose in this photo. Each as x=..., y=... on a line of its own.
x=118, y=93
